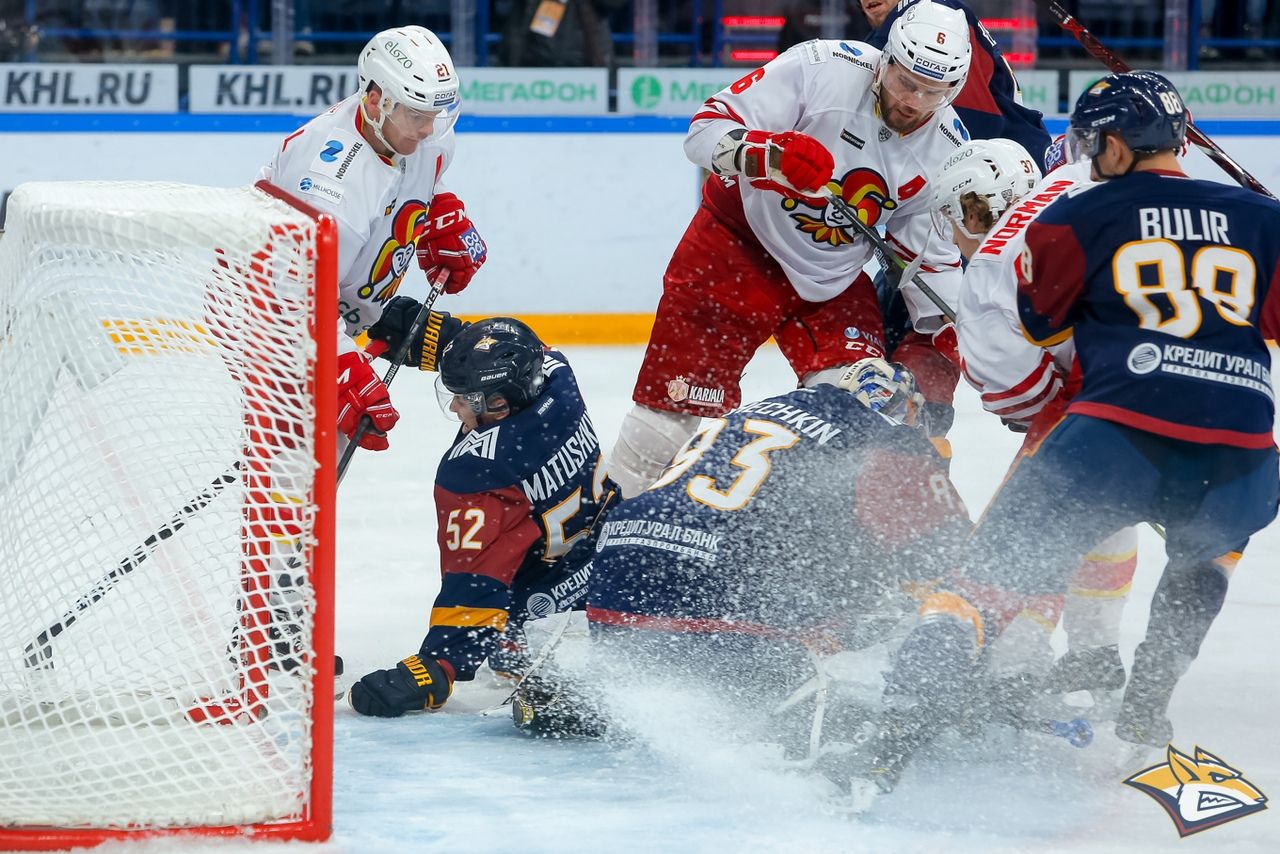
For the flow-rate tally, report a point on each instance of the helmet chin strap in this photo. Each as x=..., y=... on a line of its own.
x=376, y=125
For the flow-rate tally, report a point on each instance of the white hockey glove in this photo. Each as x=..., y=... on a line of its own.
x=887, y=388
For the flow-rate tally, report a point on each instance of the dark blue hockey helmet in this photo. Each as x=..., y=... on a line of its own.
x=1143, y=108
x=497, y=356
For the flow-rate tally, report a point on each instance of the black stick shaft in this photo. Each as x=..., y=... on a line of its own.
x=886, y=251
x=1118, y=66
x=38, y=650
x=397, y=359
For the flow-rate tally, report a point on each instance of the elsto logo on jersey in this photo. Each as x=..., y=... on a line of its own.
x=864, y=190
x=1198, y=792
x=397, y=252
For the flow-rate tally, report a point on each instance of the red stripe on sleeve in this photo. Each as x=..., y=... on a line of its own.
x=1046, y=364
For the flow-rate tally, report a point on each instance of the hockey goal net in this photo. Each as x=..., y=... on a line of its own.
x=166, y=513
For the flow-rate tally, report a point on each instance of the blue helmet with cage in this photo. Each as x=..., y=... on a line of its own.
x=1141, y=107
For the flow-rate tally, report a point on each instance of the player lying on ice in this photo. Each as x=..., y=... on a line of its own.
x=774, y=535
x=518, y=494
x=1166, y=284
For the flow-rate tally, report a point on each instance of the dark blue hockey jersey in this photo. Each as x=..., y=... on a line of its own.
x=988, y=103
x=516, y=502
x=1166, y=284
x=778, y=514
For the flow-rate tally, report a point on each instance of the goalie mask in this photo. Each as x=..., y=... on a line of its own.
x=418, y=82
x=491, y=367
x=887, y=389
x=985, y=178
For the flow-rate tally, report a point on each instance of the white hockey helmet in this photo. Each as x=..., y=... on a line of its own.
x=414, y=71
x=1000, y=171
x=931, y=41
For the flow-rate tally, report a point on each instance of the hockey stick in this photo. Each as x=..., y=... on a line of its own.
x=38, y=653
x=910, y=271
x=397, y=359
x=1117, y=65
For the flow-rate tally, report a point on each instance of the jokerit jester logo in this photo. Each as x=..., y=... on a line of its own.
x=1198, y=792
x=864, y=190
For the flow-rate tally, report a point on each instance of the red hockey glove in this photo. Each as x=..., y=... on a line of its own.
x=413, y=685
x=799, y=159
x=360, y=393
x=451, y=242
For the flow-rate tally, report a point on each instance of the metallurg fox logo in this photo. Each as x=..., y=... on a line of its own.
x=1198, y=792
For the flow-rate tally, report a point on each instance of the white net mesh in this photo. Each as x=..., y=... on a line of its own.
x=156, y=510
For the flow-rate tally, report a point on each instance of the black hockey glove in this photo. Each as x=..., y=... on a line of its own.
x=396, y=324
x=413, y=685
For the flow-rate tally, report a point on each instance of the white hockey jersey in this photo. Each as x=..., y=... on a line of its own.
x=380, y=204
x=823, y=89
x=1014, y=377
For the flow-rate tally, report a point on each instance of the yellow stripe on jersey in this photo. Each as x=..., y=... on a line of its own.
x=1090, y=593
x=462, y=616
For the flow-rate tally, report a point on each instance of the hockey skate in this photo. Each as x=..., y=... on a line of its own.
x=548, y=706
x=1097, y=670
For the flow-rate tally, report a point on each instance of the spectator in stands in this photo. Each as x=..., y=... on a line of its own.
x=1254, y=13
x=560, y=33
x=804, y=20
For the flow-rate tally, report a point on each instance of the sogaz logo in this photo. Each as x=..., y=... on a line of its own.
x=331, y=150
x=646, y=92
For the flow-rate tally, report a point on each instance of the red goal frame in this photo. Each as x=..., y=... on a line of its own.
x=316, y=823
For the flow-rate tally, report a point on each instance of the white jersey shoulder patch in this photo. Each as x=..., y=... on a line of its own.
x=815, y=51
x=953, y=130
x=854, y=53
x=336, y=155
x=321, y=189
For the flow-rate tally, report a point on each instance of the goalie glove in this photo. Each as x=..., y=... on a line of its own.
x=413, y=685
x=388, y=334
x=451, y=243
x=360, y=393
x=886, y=388
x=790, y=163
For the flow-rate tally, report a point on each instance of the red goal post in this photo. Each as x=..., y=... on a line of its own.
x=167, y=504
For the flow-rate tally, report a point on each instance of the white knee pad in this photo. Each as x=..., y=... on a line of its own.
x=826, y=375
x=1092, y=617
x=649, y=438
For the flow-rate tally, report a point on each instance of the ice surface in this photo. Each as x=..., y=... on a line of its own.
x=461, y=782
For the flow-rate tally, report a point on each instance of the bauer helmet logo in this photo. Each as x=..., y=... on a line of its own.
x=1198, y=791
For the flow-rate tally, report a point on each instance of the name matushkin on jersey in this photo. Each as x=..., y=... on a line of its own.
x=1166, y=285
x=513, y=502
x=544, y=464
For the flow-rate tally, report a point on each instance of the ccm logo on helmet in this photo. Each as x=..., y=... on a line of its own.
x=393, y=48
